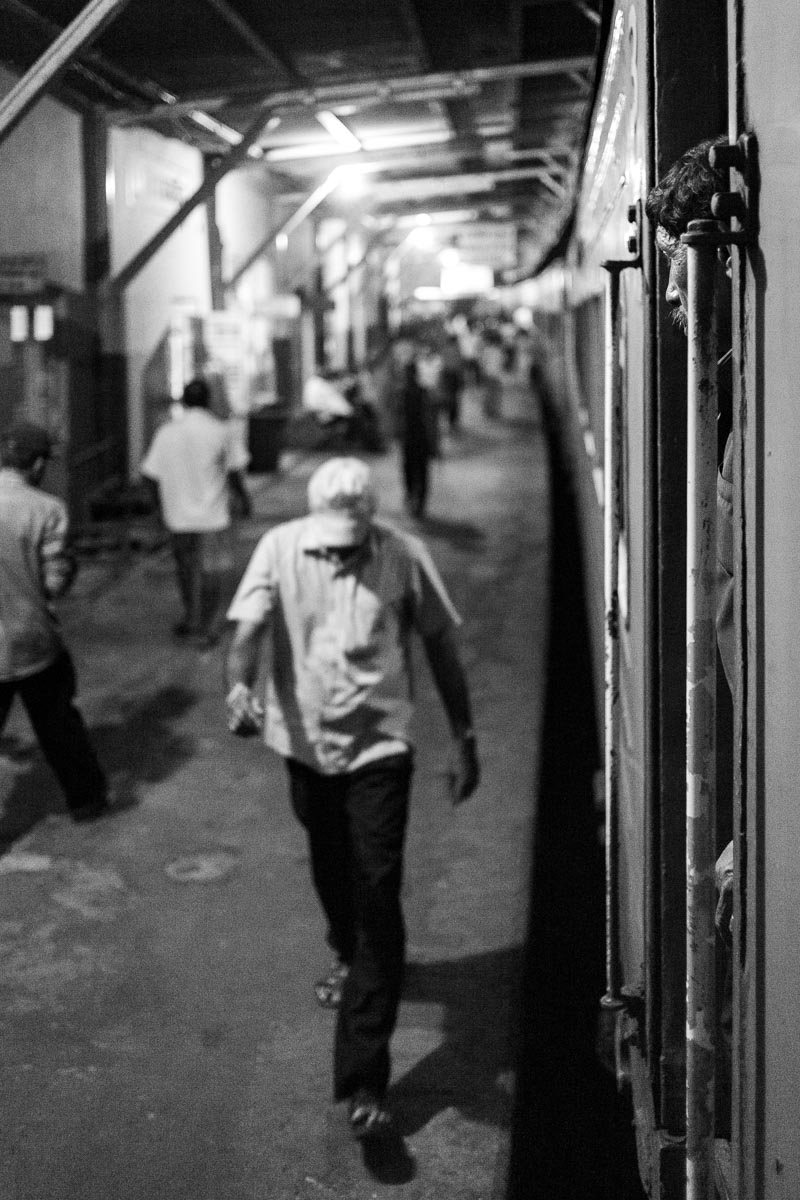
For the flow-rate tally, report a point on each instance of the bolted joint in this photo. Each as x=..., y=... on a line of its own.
x=725, y=205
x=725, y=158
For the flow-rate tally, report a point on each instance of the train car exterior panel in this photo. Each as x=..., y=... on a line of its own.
x=768, y=103
x=607, y=240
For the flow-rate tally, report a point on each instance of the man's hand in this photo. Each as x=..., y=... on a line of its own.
x=723, y=918
x=245, y=713
x=464, y=770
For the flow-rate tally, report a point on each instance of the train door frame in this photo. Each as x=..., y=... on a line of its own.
x=682, y=52
x=748, y=1052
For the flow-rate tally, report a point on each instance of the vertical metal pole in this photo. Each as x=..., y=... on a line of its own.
x=701, y=523
x=611, y=521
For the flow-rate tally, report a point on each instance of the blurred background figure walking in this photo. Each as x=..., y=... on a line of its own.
x=36, y=568
x=451, y=381
x=492, y=371
x=194, y=471
x=418, y=441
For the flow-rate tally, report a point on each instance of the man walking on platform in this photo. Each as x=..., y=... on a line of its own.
x=194, y=470
x=36, y=568
x=338, y=594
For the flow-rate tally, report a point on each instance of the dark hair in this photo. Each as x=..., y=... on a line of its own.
x=684, y=194
x=23, y=444
x=196, y=394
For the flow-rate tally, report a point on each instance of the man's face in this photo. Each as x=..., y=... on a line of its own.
x=677, y=293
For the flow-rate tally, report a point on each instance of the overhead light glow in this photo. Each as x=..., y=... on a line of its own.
x=422, y=237
x=427, y=293
x=351, y=182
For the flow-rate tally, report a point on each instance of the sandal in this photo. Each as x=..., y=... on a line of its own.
x=368, y=1117
x=329, y=990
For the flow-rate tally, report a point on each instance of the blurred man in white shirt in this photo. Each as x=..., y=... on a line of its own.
x=194, y=466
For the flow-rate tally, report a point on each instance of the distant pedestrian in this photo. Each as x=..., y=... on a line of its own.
x=337, y=595
x=36, y=567
x=194, y=467
x=470, y=343
x=492, y=372
x=452, y=381
x=418, y=419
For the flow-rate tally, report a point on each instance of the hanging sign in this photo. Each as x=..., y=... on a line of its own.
x=22, y=274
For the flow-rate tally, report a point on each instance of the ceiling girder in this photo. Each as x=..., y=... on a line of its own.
x=402, y=157
x=88, y=24
x=231, y=160
x=104, y=72
x=458, y=117
x=268, y=54
x=392, y=90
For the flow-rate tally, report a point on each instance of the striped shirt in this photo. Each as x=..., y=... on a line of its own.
x=35, y=567
x=339, y=687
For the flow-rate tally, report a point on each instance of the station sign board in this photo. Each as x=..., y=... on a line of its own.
x=22, y=275
x=488, y=243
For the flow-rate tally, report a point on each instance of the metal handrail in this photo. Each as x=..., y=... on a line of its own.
x=612, y=523
x=701, y=526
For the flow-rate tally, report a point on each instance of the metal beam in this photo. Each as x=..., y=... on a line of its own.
x=402, y=157
x=108, y=75
x=419, y=46
x=394, y=90
x=267, y=54
x=420, y=187
x=287, y=225
x=232, y=159
x=88, y=24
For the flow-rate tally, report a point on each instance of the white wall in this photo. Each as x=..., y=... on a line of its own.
x=41, y=183
x=244, y=215
x=149, y=177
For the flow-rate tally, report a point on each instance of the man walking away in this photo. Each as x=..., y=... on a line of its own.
x=194, y=470
x=36, y=568
x=338, y=595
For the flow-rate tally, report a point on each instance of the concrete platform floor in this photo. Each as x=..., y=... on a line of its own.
x=158, y=1028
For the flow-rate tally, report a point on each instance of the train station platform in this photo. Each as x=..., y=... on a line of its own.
x=160, y=1036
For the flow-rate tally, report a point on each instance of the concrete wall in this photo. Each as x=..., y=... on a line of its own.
x=149, y=177
x=771, y=41
x=41, y=174
x=245, y=214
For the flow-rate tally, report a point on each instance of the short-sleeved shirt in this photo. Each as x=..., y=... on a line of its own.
x=35, y=566
x=190, y=458
x=339, y=687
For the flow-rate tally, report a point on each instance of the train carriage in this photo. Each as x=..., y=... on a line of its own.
x=674, y=75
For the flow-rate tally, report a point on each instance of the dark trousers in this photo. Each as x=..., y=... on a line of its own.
x=199, y=584
x=416, y=474
x=356, y=827
x=49, y=697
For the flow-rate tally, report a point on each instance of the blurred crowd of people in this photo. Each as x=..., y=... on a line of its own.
x=411, y=393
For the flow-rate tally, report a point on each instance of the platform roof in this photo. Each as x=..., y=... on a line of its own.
x=474, y=106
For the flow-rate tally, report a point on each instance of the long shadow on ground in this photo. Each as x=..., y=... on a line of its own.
x=572, y=1132
x=141, y=745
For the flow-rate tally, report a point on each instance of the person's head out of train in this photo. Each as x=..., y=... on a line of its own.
x=684, y=194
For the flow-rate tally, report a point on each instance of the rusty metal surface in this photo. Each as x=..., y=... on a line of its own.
x=701, y=496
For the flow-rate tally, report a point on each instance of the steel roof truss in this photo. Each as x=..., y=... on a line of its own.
x=88, y=24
